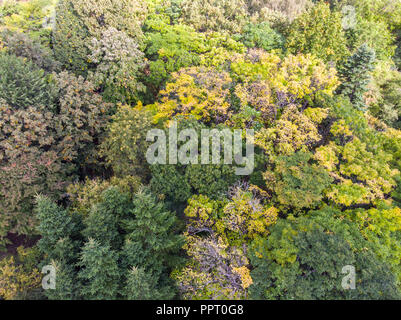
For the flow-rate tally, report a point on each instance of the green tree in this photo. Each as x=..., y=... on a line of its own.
x=102, y=223
x=80, y=21
x=303, y=259
x=355, y=74
x=178, y=182
x=24, y=85
x=119, y=63
x=140, y=285
x=100, y=274
x=295, y=175
x=21, y=45
x=55, y=224
x=384, y=95
x=152, y=242
x=125, y=144
x=261, y=35
x=319, y=32
x=222, y=15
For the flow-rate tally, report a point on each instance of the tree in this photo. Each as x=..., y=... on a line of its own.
x=172, y=47
x=45, y=138
x=215, y=270
x=99, y=272
x=206, y=89
x=376, y=34
x=178, y=182
x=19, y=276
x=28, y=17
x=261, y=35
x=237, y=220
x=119, y=62
x=79, y=21
x=21, y=45
x=381, y=226
x=319, y=32
x=70, y=38
x=67, y=284
x=303, y=259
x=55, y=224
x=355, y=74
x=223, y=15
x=151, y=242
x=269, y=83
x=294, y=175
x=80, y=121
x=384, y=95
x=59, y=243
x=24, y=85
x=124, y=146
x=140, y=285
x=102, y=223
x=27, y=169
x=289, y=9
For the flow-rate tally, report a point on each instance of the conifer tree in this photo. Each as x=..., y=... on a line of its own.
x=102, y=224
x=356, y=75
x=151, y=243
x=60, y=246
x=67, y=286
x=152, y=230
x=140, y=285
x=100, y=274
x=56, y=227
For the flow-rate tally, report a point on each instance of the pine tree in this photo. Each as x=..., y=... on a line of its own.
x=151, y=232
x=67, y=286
x=151, y=243
x=56, y=227
x=100, y=274
x=140, y=285
x=102, y=224
x=355, y=75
